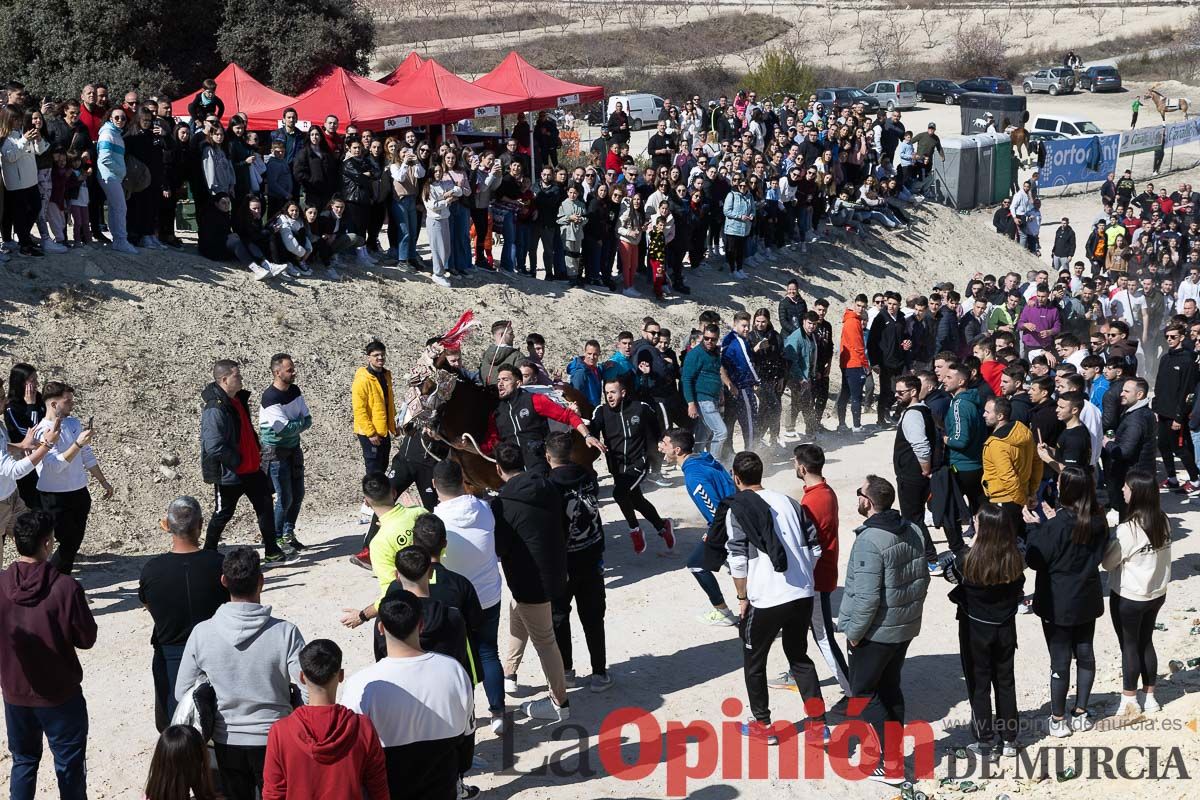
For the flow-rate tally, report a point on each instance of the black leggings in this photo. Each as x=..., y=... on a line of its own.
x=735, y=251
x=988, y=655
x=627, y=492
x=1065, y=642
x=1133, y=620
x=22, y=205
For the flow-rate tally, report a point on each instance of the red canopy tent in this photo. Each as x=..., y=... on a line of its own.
x=516, y=76
x=345, y=95
x=432, y=85
x=411, y=63
x=240, y=93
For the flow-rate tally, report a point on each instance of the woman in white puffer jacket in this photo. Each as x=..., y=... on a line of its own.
x=20, y=145
x=290, y=243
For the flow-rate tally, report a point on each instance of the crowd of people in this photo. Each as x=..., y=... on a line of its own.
x=1018, y=420
x=733, y=180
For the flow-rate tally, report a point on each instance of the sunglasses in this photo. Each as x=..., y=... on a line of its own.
x=712, y=339
x=652, y=333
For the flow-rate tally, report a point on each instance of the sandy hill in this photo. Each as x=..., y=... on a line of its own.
x=137, y=337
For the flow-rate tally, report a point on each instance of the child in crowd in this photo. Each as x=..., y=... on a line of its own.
x=77, y=196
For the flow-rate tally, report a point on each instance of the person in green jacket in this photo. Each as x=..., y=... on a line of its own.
x=965, y=433
x=701, y=378
x=800, y=352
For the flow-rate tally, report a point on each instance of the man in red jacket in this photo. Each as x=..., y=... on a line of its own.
x=44, y=618
x=323, y=751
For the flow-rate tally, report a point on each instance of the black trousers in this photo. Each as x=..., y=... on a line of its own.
x=405, y=473
x=480, y=219
x=820, y=393
x=1173, y=443
x=585, y=585
x=885, y=393
x=875, y=670
x=96, y=200
x=22, y=205
x=988, y=656
x=257, y=488
x=971, y=483
x=913, y=491
x=759, y=627
x=627, y=492
x=70, y=511
x=1133, y=620
x=241, y=770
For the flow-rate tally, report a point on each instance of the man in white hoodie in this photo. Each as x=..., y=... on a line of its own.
x=251, y=659
x=773, y=549
x=471, y=552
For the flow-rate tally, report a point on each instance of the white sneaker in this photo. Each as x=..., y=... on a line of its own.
x=497, y=724
x=631, y=292
x=275, y=269
x=304, y=269
x=292, y=272
x=441, y=281
x=510, y=685
x=1128, y=705
x=258, y=272
x=547, y=709
x=719, y=618
x=1058, y=728
x=123, y=246
x=51, y=246
x=1150, y=705
x=1082, y=722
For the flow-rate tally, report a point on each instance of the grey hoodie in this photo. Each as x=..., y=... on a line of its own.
x=250, y=658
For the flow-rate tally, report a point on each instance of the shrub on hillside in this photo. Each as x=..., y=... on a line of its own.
x=781, y=72
x=978, y=51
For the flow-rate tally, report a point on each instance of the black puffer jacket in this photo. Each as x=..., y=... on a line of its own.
x=1067, y=590
x=359, y=176
x=219, y=426
x=530, y=541
x=1135, y=443
x=318, y=173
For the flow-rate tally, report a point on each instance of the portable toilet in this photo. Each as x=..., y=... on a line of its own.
x=955, y=175
x=985, y=171
x=1003, y=167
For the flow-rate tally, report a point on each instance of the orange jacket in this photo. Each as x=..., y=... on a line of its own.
x=853, y=349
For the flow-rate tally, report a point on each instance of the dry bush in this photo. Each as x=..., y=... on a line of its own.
x=633, y=47
x=978, y=51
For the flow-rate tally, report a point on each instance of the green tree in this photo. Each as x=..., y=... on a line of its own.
x=288, y=44
x=781, y=72
x=170, y=46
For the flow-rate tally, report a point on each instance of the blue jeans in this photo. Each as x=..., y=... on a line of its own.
x=489, y=656
x=525, y=237
x=706, y=579
x=66, y=729
x=804, y=218
x=714, y=432
x=164, y=668
x=287, y=476
x=853, y=381
x=460, y=237
x=404, y=217
x=506, y=223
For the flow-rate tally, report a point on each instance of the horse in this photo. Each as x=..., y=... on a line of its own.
x=1165, y=104
x=1020, y=137
x=458, y=413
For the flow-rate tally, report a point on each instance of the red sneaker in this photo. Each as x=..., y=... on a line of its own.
x=362, y=558
x=1187, y=487
x=1168, y=485
x=639, y=540
x=668, y=534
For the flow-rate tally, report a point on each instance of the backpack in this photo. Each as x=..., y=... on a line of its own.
x=137, y=175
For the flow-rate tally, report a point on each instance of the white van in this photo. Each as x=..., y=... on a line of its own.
x=1066, y=124
x=893, y=94
x=643, y=109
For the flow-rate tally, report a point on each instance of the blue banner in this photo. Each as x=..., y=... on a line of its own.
x=1079, y=160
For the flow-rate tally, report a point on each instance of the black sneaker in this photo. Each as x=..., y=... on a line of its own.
x=295, y=544
x=879, y=776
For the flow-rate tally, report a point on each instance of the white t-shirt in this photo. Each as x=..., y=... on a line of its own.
x=408, y=700
x=55, y=473
x=1129, y=307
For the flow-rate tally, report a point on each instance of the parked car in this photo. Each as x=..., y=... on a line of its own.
x=893, y=94
x=1067, y=125
x=642, y=108
x=1037, y=137
x=846, y=96
x=1100, y=79
x=988, y=85
x=1055, y=80
x=939, y=90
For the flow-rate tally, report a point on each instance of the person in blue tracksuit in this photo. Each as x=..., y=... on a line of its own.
x=709, y=485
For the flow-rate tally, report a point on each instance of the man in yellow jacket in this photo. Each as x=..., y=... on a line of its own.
x=374, y=409
x=1011, y=468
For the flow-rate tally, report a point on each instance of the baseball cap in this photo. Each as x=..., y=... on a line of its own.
x=932, y=126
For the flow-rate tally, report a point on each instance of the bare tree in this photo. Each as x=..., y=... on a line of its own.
x=960, y=22
x=1027, y=20
x=828, y=35
x=929, y=25
x=1054, y=11
x=1097, y=14
x=862, y=29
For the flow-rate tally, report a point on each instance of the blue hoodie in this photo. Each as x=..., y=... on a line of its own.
x=735, y=357
x=616, y=366
x=707, y=483
x=586, y=379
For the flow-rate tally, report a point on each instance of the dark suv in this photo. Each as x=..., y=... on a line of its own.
x=1100, y=79
x=989, y=85
x=939, y=90
x=845, y=97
